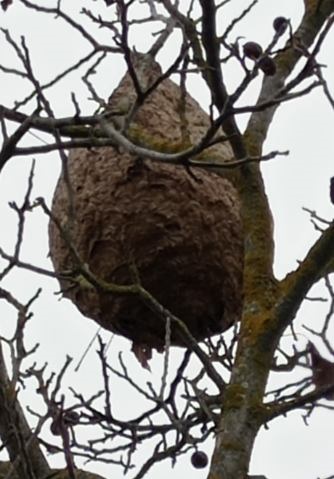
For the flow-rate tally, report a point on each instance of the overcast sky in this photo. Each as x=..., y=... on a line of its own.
x=304, y=127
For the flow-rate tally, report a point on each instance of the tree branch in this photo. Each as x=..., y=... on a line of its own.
x=296, y=285
x=213, y=75
x=22, y=446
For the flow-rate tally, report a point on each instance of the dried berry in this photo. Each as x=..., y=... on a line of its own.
x=252, y=50
x=70, y=418
x=280, y=24
x=267, y=65
x=199, y=459
x=56, y=426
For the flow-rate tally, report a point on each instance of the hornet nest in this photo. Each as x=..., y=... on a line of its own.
x=181, y=229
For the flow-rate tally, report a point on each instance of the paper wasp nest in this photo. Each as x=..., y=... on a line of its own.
x=182, y=230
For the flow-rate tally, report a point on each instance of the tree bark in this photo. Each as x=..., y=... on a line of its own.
x=23, y=448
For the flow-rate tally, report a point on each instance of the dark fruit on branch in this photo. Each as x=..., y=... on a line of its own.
x=199, y=460
x=62, y=420
x=55, y=427
x=252, y=50
x=280, y=24
x=331, y=189
x=267, y=65
x=70, y=418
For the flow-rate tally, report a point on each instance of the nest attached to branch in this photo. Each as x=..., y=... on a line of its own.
x=181, y=230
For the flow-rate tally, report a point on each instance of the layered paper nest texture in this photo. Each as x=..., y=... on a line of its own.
x=180, y=230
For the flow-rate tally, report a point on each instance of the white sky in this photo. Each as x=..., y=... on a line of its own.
x=305, y=127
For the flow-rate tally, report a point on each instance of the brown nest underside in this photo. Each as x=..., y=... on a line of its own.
x=182, y=232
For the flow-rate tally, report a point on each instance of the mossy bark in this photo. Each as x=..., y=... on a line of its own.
x=269, y=306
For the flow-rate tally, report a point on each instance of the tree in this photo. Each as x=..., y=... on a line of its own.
x=218, y=388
